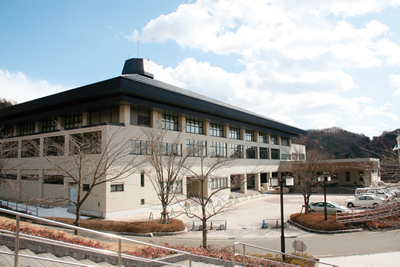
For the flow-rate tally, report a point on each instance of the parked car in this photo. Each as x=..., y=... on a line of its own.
x=392, y=192
x=376, y=191
x=331, y=207
x=365, y=200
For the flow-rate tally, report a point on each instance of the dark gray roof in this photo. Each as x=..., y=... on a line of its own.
x=134, y=89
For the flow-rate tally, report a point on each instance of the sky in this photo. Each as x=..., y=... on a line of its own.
x=310, y=64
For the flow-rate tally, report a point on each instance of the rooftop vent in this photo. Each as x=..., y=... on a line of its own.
x=138, y=66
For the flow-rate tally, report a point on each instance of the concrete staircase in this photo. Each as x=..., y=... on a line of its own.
x=8, y=260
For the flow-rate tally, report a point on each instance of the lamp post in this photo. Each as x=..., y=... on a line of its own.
x=289, y=182
x=324, y=179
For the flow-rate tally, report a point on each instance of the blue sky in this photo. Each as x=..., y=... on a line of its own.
x=310, y=64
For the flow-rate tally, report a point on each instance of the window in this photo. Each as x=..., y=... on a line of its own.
x=236, y=151
x=142, y=201
x=285, y=156
x=262, y=138
x=30, y=177
x=85, y=143
x=169, y=148
x=285, y=141
x=274, y=139
x=251, y=152
x=9, y=149
x=194, y=126
x=117, y=187
x=249, y=135
x=217, y=183
x=218, y=150
x=361, y=174
x=140, y=117
x=170, y=122
x=140, y=147
x=53, y=179
x=49, y=124
x=27, y=127
x=8, y=176
x=6, y=130
x=264, y=153
x=30, y=148
x=104, y=116
x=85, y=187
x=196, y=148
x=175, y=186
x=142, y=179
x=275, y=154
x=234, y=133
x=347, y=176
x=54, y=146
x=73, y=119
x=216, y=130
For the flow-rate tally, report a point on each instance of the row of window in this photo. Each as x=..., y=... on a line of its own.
x=74, y=118
x=85, y=143
x=198, y=148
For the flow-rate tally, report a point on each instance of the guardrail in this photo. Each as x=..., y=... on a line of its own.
x=20, y=207
x=119, y=254
x=283, y=255
x=368, y=214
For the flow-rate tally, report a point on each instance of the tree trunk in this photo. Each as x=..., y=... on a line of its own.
x=305, y=204
x=204, y=221
x=165, y=215
x=77, y=218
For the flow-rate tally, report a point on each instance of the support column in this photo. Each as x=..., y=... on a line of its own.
x=206, y=128
x=85, y=119
x=226, y=131
x=243, y=183
x=182, y=124
x=125, y=114
x=257, y=181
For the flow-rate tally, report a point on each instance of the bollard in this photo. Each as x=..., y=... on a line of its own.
x=151, y=216
x=211, y=226
x=193, y=227
x=277, y=224
x=196, y=208
x=172, y=212
x=264, y=225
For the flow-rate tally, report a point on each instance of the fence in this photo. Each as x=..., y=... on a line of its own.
x=21, y=207
x=369, y=214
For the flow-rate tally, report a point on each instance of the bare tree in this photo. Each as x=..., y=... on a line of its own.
x=8, y=151
x=89, y=159
x=203, y=174
x=168, y=167
x=305, y=173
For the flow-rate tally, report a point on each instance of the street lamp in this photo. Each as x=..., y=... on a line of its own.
x=324, y=179
x=275, y=181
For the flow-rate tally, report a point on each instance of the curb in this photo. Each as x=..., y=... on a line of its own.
x=325, y=232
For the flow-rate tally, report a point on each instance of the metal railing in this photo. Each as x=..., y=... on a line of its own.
x=119, y=238
x=368, y=214
x=22, y=207
x=269, y=250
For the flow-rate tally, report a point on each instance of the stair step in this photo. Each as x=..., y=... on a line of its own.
x=196, y=264
x=34, y=262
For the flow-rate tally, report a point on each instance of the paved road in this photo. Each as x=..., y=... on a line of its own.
x=244, y=223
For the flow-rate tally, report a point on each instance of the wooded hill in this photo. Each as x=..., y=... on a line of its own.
x=341, y=144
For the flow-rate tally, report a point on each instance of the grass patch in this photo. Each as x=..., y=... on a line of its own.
x=317, y=221
x=127, y=227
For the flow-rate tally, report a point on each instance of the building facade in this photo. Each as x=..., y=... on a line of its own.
x=128, y=106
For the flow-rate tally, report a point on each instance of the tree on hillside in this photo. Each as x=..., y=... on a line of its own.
x=6, y=103
x=210, y=172
x=88, y=159
x=168, y=167
x=306, y=172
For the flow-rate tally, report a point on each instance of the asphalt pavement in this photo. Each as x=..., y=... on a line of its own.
x=244, y=221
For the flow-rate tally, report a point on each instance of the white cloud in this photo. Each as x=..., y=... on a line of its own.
x=395, y=82
x=20, y=88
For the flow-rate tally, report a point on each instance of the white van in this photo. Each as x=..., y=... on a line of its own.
x=376, y=191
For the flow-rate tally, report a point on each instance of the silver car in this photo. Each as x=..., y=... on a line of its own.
x=365, y=200
x=331, y=207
